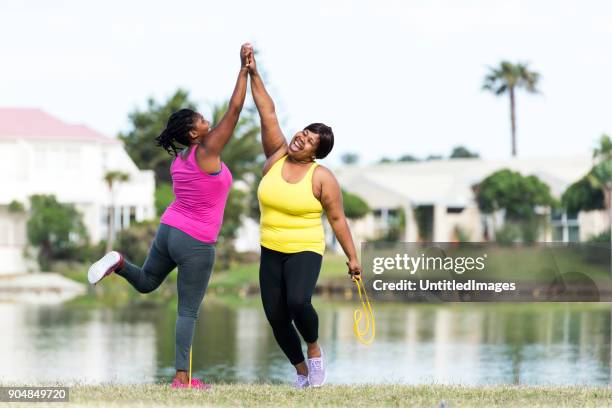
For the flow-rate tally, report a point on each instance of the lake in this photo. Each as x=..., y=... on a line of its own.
x=471, y=344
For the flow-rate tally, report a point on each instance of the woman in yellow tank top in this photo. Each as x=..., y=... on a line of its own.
x=293, y=194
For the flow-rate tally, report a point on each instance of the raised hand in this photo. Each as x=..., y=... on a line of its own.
x=252, y=65
x=245, y=49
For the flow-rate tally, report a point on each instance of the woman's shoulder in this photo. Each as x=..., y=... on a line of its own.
x=322, y=174
x=322, y=171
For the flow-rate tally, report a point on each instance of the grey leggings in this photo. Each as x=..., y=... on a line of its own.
x=172, y=247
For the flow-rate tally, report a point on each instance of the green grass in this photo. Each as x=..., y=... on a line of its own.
x=263, y=395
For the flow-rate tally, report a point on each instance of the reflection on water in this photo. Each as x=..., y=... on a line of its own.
x=466, y=344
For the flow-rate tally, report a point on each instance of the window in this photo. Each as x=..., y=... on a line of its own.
x=454, y=210
x=565, y=227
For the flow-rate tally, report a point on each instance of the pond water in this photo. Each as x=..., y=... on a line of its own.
x=471, y=344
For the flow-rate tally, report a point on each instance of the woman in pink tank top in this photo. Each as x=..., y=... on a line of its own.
x=189, y=227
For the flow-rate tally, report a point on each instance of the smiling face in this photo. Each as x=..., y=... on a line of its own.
x=303, y=145
x=200, y=129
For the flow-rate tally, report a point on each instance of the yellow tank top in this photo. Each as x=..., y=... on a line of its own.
x=290, y=213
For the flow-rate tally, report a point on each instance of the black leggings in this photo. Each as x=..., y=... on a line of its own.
x=287, y=282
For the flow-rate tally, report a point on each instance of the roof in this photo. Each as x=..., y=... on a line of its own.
x=31, y=123
x=449, y=182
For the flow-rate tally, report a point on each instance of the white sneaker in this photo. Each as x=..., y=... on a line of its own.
x=316, y=371
x=104, y=266
x=301, y=381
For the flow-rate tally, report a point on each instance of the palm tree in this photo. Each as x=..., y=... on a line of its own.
x=112, y=178
x=506, y=79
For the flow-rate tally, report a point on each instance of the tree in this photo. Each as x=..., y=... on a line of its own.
x=604, y=150
x=511, y=191
x=56, y=228
x=519, y=196
x=349, y=158
x=506, y=79
x=354, y=206
x=582, y=196
x=112, y=178
x=146, y=125
x=15, y=207
x=462, y=152
x=589, y=193
x=407, y=158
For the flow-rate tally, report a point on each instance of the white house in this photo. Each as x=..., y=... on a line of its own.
x=443, y=191
x=40, y=154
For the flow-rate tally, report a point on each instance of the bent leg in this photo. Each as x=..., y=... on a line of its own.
x=156, y=268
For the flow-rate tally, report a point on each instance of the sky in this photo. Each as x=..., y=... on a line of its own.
x=390, y=77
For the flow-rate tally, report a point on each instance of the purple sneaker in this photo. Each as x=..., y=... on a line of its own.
x=301, y=381
x=316, y=371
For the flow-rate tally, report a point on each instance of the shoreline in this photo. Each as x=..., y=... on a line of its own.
x=40, y=287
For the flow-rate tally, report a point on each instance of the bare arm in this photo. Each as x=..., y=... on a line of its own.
x=272, y=137
x=331, y=199
x=219, y=136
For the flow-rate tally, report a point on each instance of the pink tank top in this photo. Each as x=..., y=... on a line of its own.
x=200, y=198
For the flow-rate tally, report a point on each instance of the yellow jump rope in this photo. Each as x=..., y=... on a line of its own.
x=365, y=336
x=190, y=348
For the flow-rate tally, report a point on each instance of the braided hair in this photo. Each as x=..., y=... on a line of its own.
x=177, y=129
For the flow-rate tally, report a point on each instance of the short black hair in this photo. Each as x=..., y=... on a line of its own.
x=326, y=138
x=177, y=129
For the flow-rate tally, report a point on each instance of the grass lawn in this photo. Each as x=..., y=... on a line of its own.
x=260, y=395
